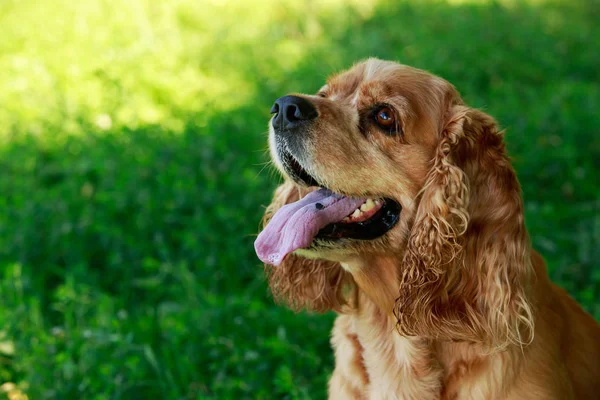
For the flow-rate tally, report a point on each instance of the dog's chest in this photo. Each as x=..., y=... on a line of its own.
x=380, y=364
x=398, y=368
x=374, y=362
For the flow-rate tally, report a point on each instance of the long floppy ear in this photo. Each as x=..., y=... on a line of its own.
x=302, y=283
x=467, y=266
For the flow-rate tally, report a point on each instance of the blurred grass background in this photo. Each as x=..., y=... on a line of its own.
x=132, y=138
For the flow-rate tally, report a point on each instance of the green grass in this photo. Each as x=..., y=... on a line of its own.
x=132, y=138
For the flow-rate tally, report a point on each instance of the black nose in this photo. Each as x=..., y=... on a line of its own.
x=291, y=111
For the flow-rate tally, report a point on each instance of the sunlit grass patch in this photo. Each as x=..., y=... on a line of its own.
x=146, y=62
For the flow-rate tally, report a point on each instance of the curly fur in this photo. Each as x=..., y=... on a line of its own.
x=466, y=282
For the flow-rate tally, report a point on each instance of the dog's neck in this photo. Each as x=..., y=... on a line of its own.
x=377, y=277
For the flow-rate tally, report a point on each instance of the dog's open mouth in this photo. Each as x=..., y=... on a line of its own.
x=322, y=214
x=372, y=219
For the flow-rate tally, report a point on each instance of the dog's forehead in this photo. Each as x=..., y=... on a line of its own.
x=374, y=77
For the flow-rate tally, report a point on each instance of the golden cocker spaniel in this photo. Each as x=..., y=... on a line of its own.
x=400, y=210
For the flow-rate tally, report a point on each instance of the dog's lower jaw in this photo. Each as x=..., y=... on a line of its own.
x=322, y=250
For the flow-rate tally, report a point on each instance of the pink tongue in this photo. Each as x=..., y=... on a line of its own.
x=296, y=224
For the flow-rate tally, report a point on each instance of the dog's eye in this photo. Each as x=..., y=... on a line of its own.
x=322, y=94
x=386, y=119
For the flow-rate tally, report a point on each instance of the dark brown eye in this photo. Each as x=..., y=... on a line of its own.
x=322, y=94
x=385, y=118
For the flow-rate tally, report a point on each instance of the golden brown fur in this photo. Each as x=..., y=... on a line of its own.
x=452, y=303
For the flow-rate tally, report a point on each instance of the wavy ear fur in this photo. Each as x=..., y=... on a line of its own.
x=467, y=266
x=302, y=283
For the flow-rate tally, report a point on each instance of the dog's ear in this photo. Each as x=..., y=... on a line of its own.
x=302, y=283
x=466, y=270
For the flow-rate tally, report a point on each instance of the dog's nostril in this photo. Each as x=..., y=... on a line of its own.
x=292, y=113
x=275, y=109
x=299, y=115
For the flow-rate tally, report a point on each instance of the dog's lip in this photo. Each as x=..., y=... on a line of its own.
x=294, y=168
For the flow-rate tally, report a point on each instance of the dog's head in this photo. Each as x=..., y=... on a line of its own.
x=412, y=176
x=370, y=132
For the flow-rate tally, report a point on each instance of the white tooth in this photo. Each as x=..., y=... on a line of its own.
x=364, y=207
x=369, y=205
x=356, y=213
x=377, y=201
x=346, y=219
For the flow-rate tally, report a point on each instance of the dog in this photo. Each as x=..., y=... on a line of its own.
x=400, y=210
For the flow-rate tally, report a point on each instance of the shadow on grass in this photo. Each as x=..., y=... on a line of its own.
x=128, y=260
